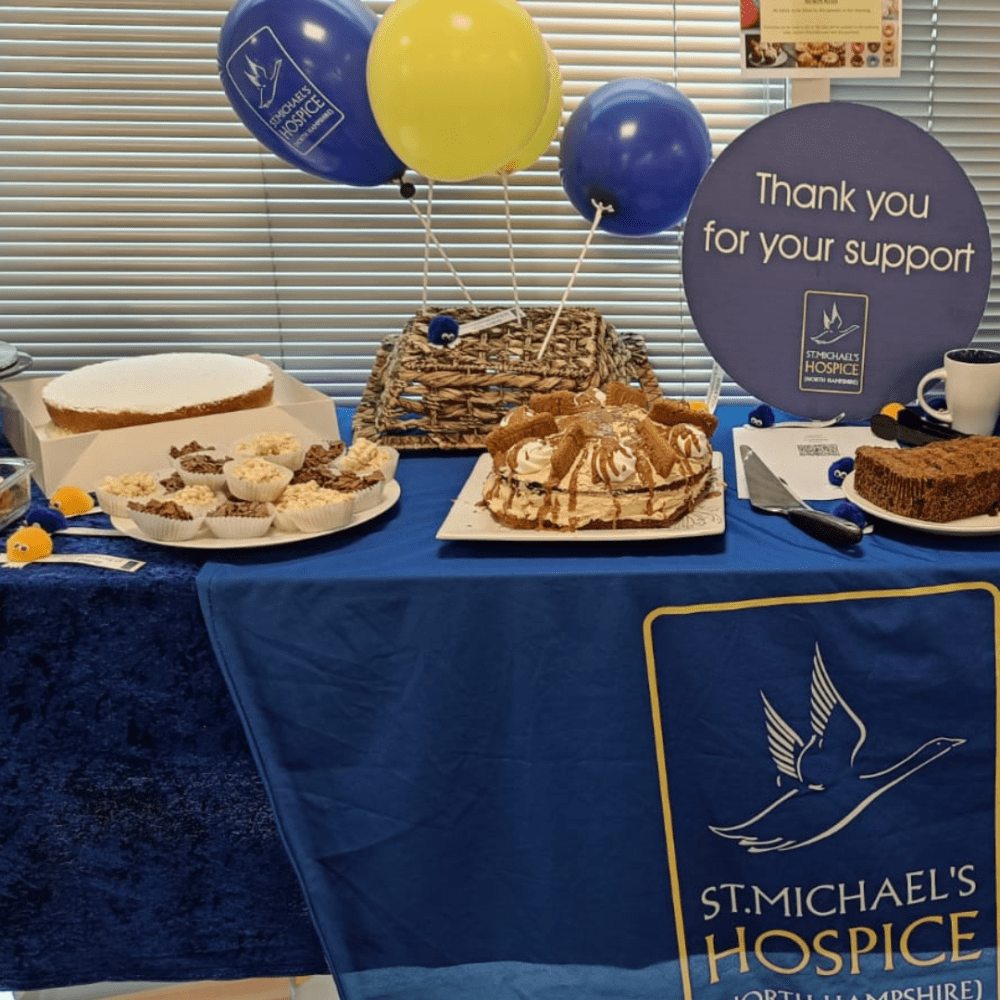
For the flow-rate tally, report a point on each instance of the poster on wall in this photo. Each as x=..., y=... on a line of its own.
x=821, y=38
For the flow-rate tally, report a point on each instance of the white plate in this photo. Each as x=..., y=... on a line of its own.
x=204, y=540
x=981, y=525
x=466, y=521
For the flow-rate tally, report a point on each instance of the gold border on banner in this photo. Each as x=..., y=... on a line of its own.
x=763, y=602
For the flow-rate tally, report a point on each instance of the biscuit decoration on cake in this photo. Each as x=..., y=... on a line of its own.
x=672, y=411
x=574, y=438
x=517, y=415
x=661, y=456
x=620, y=394
x=560, y=403
x=500, y=440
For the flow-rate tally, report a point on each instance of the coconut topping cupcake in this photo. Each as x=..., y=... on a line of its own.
x=308, y=507
x=256, y=479
x=276, y=446
x=365, y=456
x=197, y=499
x=115, y=492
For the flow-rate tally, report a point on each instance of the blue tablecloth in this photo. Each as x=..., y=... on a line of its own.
x=136, y=839
x=553, y=769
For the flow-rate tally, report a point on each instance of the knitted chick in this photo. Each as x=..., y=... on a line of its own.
x=28, y=544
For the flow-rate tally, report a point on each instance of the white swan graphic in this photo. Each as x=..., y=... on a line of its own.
x=826, y=790
x=833, y=328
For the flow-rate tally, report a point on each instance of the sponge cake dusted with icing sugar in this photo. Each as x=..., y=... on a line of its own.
x=155, y=387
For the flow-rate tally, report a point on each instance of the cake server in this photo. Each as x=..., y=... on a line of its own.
x=772, y=495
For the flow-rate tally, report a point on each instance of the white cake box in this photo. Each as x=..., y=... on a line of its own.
x=84, y=460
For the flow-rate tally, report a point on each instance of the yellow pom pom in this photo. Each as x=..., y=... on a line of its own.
x=71, y=500
x=29, y=543
x=698, y=405
x=891, y=409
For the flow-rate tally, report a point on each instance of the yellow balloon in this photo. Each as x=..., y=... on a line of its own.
x=457, y=87
x=546, y=131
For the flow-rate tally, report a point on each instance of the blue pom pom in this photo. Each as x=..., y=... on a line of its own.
x=442, y=330
x=46, y=518
x=762, y=416
x=850, y=512
x=840, y=470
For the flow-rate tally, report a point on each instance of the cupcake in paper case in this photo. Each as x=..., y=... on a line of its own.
x=256, y=479
x=171, y=482
x=365, y=457
x=367, y=490
x=115, y=492
x=197, y=499
x=324, y=452
x=319, y=463
x=276, y=446
x=240, y=519
x=180, y=450
x=203, y=468
x=310, y=507
x=164, y=520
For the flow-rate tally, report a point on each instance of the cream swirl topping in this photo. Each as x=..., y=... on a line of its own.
x=689, y=441
x=617, y=465
x=531, y=456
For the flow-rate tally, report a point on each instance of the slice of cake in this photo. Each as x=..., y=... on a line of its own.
x=943, y=481
x=590, y=460
x=155, y=387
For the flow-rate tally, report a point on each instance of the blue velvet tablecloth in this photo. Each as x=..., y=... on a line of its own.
x=515, y=769
x=136, y=838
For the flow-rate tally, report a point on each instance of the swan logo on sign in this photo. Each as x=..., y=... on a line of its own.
x=834, y=333
x=280, y=94
x=822, y=782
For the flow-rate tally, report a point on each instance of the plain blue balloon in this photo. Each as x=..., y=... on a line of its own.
x=640, y=146
x=294, y=72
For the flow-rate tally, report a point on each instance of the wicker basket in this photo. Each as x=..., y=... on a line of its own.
x=423, y=396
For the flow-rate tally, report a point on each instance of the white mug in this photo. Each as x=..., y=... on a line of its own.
x=971, y=377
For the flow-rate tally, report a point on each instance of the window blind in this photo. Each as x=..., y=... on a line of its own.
x=948, y=86
x=140, y=215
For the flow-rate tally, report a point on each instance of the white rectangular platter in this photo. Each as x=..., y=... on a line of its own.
x=468, y=521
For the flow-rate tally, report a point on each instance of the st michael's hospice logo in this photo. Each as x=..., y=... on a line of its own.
x=280, y=93
x=822, y=783
x=834, y=333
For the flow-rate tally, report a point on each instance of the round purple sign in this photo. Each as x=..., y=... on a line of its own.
x=832, y=253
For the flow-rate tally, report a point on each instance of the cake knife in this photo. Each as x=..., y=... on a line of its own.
x=772, y=495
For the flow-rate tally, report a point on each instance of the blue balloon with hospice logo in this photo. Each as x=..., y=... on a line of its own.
x=638, y=146
x=294, y=72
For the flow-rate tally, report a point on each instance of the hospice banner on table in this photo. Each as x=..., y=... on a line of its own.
x=829, y=798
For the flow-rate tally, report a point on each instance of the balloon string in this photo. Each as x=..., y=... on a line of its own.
x=444, y=256
x=427, y=242
x=510, y=244
x=601, y=209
